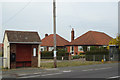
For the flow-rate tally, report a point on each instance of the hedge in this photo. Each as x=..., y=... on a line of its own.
x=76, y=57
x=49, y=55
x=98, y=52
x=97, y=55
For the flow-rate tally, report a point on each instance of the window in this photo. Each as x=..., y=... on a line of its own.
x=34, y=51
x=88, y=48
x=80, y=48
x=104, y=46
x=42, y=48
x=51, y=48
x=45, y=48
x=72, y=50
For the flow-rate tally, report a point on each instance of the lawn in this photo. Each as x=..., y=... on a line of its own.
x=73, y=63
x=68, y=63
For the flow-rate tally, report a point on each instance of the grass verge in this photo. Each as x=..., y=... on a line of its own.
x=72, y=63
x=46, y=59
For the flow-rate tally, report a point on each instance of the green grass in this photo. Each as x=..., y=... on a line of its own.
x=68, y=63
x=46, y=59
x=72, y=63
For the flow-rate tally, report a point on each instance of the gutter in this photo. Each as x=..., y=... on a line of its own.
x=26, y=42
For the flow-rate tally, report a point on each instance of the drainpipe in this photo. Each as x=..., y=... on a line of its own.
x=39, y=55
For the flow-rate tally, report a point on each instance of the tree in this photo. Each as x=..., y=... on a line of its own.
x=115, y=41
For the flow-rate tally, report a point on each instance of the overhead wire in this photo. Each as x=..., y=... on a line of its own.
x=12, y=17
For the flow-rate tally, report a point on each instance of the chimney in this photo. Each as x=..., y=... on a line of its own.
x=72, y=34
x=46, y=35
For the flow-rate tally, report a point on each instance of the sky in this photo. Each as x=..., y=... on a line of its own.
x=38, y=16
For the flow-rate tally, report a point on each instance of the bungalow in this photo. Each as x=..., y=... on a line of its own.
x=21, y=49
x=91, y=38
x=48, y=42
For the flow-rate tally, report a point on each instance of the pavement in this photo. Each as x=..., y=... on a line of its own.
x=106, y=71
x=0, y=68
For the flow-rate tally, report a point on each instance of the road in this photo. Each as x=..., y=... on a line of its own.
x=107, y=71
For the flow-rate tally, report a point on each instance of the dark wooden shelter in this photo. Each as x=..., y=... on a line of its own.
x=21, y=48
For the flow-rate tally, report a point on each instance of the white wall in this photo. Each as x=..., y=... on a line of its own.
x=6, y=61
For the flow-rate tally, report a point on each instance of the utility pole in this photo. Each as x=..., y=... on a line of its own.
x=54, y=25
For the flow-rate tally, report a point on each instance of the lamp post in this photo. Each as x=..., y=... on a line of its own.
x=54, y=27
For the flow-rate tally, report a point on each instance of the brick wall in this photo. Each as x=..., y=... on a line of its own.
x=68, y=49
x=75, y=50
x=34, y=62
x=13, y=50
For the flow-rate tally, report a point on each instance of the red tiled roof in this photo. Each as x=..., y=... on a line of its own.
x=92, y=38
x=49, y=41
